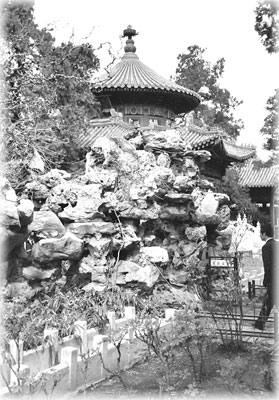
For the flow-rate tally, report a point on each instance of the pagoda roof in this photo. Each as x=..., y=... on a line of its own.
x=252, y=176
x=131, y=75
x=201, y=138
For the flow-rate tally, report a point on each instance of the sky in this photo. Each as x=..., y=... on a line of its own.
x=166, y=28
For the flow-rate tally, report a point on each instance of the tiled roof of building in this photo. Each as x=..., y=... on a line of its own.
x=252, y=176
x=108, y=127
x=131, y=73
x=200, y=138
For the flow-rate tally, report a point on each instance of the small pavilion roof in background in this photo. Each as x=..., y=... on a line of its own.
x=107, y=127
x=253, y=176
x=201, y=138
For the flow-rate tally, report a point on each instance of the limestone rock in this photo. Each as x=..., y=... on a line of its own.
x=205, y=184
x=82, y=229
x=126, y=239
x=97, y=270
x=105, y=177
x=10, y=239
x=87, y=207
x=169, y=141
x=94, y=287
x=178, y=277
x=54, y=177
x=129, y=272
x=177, y=198
x=176, y=212
x=195, y=234
x=208, y=205
x=9, y=213
x=224, y=240
x=25, y=212
x=37, y=274
x=6, y=191
x=199, y=155
x=135, y=213
x=100, y=247
x=19, y=289
x=205, y=219
x=46, y=224
x=36, y=190
x=68, y=247
x=184, y=184
x=224, y=213
x=156, y=254
x=190, y=168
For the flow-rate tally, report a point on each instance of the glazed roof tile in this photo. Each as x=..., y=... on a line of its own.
x=251, y=176
x=200, y=138
x=107, y=127
x=132, y=73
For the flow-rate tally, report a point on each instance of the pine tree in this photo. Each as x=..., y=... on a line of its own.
x=217, y=106
x=48, y=98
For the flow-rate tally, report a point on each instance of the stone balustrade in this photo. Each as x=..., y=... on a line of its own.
x=60, y=366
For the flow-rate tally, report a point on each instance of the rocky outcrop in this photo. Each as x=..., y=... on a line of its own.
x=140, y=212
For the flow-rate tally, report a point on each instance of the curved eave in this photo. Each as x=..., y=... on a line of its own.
x=177, y=101
x=132, y=76
x=237, y=152
x=257, y=178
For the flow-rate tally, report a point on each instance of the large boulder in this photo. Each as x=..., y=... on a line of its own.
x=9, y=213
x=126, y=238
x=196, y=233
x=46, y=224
x=68, y=247
x=184, y=184
x=176, y=212
x=129, y=272
x=10, y=239
x=82, y=229
x=6, y=191
x=25, y=211
x=99, y=247
x=32, y=273
x=87, y=205
x=156, y=254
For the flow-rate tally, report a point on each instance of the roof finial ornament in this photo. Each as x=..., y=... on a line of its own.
x=129, y=32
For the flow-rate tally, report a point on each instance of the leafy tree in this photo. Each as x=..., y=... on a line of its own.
x=270, y=129
x=240, y=200
x=216, y=109
x=48, y=101
x=267, y=24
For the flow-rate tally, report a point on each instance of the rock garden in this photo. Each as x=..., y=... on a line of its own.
x=131, y=227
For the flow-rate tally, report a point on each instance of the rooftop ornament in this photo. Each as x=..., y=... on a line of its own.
x=129, y=33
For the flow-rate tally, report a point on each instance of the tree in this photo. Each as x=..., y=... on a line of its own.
x=267, y=24
x=270, y=129
x=240, y=200
x=199, y=75
x=48, y=99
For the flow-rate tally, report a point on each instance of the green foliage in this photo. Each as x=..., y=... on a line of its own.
x=267, y=24
x=217, y=107
x=240, y=201
x=270, y=129
x=60, y=309
x=48, y=99
x=196, y=339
